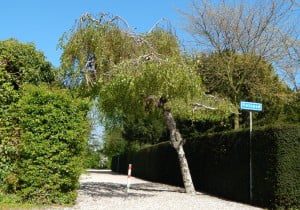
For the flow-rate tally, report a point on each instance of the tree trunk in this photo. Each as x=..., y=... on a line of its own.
x=177, y=142
x=236, y=121
x=185, y=171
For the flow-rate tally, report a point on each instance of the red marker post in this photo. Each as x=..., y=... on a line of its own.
x=129, y=176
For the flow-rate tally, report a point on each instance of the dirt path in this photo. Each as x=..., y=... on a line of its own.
x=102, y=189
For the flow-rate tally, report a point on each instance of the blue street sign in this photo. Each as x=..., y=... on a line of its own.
x=251, y=106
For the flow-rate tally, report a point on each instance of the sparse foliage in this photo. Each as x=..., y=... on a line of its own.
x=262, y=28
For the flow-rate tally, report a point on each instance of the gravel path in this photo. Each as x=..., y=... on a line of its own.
x=102, y=189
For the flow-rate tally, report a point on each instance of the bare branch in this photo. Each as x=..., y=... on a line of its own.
x=264, y=28
x=202, y=106
x=156, y=24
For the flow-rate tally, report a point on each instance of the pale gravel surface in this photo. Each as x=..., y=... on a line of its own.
x=102, y=189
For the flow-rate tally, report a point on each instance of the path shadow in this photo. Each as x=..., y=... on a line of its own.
x=101, y=171
x=156, y=187
x=107, y=189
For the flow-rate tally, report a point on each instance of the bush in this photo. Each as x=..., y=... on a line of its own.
x=52, y=133
x=219, y=165
x=95, y=159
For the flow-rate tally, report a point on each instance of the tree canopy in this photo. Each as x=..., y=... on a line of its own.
x=241, y=77
x=125, y=96
x=21, y=63
x=96, y=44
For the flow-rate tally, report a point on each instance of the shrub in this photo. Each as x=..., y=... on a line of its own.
x=219, y=165
x=52, y=134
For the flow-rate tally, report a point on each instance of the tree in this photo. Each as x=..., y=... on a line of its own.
x=164, y=42
x=91, y=48
x=169, y=87
x=241, y=77
x=292, y=109
x=114, y=143
x=95, y=44
x=148, y=129
x=135, y=76
x=8, y=94
x=21, y=63
x=292, y=68
x=262, y=28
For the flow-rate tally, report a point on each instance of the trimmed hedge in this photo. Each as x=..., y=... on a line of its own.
x=51, y=131
x=219, y=165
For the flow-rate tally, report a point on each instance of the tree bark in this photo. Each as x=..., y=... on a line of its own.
x=236, y=121
x=185, y=171
x=177, y=142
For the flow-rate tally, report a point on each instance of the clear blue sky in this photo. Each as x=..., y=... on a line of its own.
x=44, y=21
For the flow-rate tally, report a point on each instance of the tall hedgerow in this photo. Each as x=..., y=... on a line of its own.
x=51, y=131
x=20, y=63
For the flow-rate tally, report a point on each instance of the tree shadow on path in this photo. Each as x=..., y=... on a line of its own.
x=108, y=189
x=156, y=187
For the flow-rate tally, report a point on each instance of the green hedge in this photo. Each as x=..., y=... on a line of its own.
x=49, y=137
x=219, y=165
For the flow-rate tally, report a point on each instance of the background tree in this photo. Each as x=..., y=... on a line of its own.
x=20, y=63
x=292, y=109
x=114, y=143
x=267, y=29
x=242, y=77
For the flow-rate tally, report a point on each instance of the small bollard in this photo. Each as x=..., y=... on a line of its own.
x=128, y=178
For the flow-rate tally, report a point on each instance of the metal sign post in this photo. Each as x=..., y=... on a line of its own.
x=250, y=106
x=250, y=159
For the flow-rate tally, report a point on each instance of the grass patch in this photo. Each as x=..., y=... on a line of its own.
x=12, y=202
